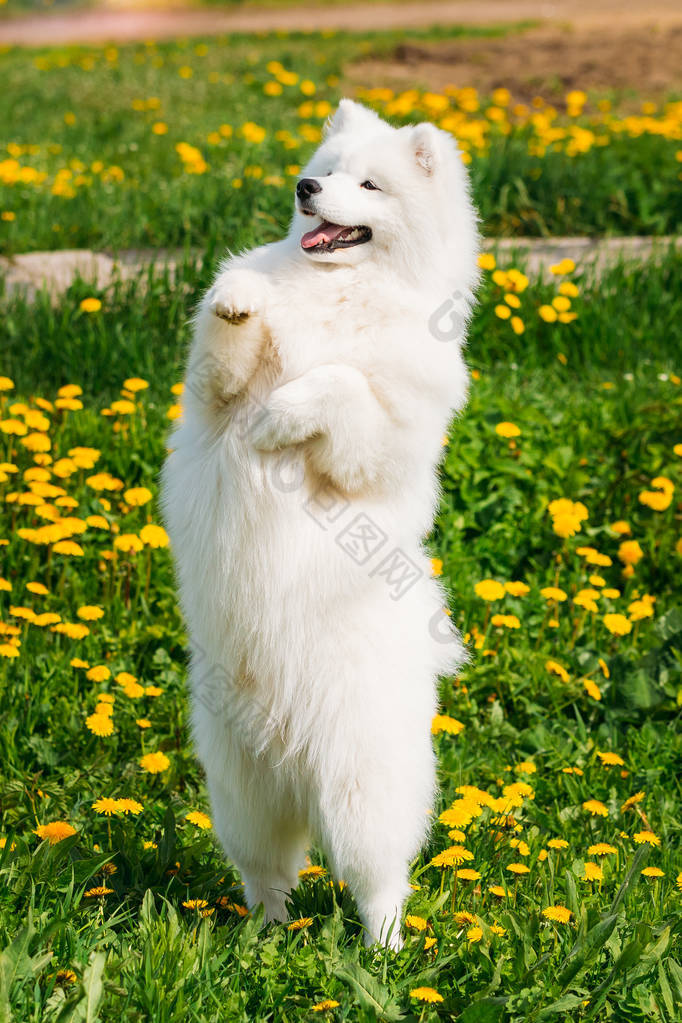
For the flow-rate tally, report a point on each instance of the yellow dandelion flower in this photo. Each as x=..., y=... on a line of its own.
x=474, y=934
x=559, y=914
x=426, y=994
x=632, y=801
x=416, y=923
x=558, y=843
x=567, y=266
x=601, y=849
x=617, y=624
x=630, y=552
x=300, y=924
x=55, y=832
x=554, y=593
x=123, y=407
x=328, y=1003
x=489, y=590
x=124, y=678
x=90, y=613
x=128, y=543
x=106, y=806
x=100, y=725
x=610, y=759
x=592, y=689
x=640, y=609
x=595, y=808
x=506, y=429
x=69, y=547
x=201, y=820
x=461, y=813
x=646, y=837
x=154, y=536
x=154, y=763
x=137, y=496
x=467, y=874
x=100, y=673
x=98, y=892
x=74, y=630
x=313, y=871
x=653, y=872
x=451, y=857
x=135, y=384
x=554, y=668
x=518, y=868
x=593, y=872
x=445, y=723
x=89, y=305
x=128, y=805
x=517, y=589
x=38, y=588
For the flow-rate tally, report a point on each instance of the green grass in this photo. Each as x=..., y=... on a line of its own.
x=83, y=167
x=138, y=953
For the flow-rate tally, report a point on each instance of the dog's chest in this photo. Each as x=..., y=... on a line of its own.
x=314, y=326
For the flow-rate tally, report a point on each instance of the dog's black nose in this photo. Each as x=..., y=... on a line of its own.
x=307, y=187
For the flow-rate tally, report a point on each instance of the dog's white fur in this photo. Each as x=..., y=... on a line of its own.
x=312, y=427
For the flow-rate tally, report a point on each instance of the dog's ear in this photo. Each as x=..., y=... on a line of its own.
x=425, y=146
x=350, y=115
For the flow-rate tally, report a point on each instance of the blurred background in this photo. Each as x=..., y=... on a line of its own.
x=568, y=113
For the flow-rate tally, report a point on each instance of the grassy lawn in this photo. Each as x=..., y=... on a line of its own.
x=559, y=744
x=199, y=143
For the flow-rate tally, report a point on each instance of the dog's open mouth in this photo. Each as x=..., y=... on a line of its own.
x=328, y=237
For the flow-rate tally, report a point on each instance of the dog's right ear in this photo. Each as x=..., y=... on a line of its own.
x=350, y=115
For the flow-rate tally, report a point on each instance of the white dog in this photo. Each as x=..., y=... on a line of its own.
x=303, y=477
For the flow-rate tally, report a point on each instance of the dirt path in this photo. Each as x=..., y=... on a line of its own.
x=119, y=25
x=29, y=273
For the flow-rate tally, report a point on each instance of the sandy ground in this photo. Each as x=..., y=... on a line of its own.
x=121, y=25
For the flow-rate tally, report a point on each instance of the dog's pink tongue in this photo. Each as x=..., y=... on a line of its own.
x=321, y=235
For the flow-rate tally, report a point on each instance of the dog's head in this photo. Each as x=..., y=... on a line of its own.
x=372, y=191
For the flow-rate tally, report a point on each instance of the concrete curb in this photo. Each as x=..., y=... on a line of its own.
x=54, y=272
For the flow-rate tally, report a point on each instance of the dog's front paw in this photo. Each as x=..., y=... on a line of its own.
x=288, y=418
x=236, y=295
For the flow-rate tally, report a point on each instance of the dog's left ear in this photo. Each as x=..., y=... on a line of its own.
x=352, y=116
x=425, y=145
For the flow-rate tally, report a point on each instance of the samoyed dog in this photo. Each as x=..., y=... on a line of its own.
x=323, y=374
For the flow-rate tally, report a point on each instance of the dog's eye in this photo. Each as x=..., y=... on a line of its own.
x=370, y=186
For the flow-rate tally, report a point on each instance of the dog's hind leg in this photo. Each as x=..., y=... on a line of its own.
x=261, y=834
x=374, y=819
